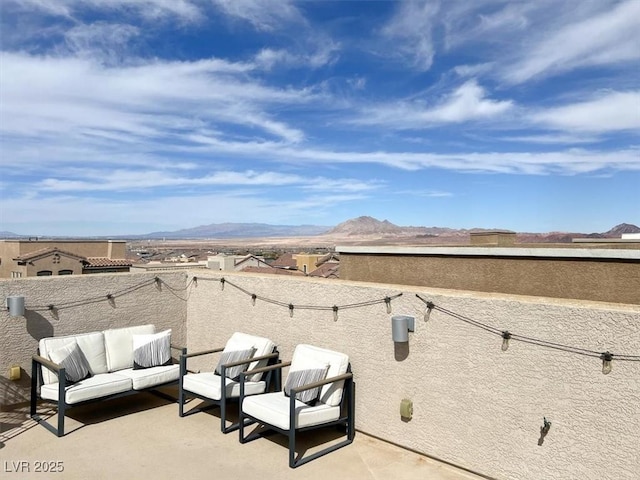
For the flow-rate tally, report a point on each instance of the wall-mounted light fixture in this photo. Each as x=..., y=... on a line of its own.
x=401, y=325
x=15, y=305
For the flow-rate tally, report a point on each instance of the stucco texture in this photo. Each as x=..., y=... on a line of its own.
x=474, y=405
x=81, y=305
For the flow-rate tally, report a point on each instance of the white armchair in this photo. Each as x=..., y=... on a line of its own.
x=319, y=392
x=220, y=385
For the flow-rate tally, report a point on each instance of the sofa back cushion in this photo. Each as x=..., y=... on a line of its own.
x=119, y=345
x=244, y=341
x=91, y=345
x=310, y=356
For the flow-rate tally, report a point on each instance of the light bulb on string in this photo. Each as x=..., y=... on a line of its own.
x=335, y=313
x=427, y=312
x=253, y=299
x=606, y=357
x=291, y=307
x=222, y=280
x=387, y=300
x=505, y=340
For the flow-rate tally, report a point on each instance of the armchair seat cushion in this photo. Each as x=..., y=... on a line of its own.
x=273, y=409
x=90, y=388
x=152, y=376
x=207, y=384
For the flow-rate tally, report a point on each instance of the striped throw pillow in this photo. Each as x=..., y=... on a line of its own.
x=71, y=358
x=300, y=378
x=151, y=350
x=235, y=356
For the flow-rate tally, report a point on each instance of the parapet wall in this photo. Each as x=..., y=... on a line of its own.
x=475, y=405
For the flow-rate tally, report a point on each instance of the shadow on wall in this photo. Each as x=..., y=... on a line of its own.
x=13, y=393
x=400, y=351
x=38, y=326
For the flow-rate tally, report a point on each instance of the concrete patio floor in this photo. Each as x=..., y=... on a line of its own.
x=142, y=437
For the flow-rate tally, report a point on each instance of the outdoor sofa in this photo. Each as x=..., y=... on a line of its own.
x=77, y=369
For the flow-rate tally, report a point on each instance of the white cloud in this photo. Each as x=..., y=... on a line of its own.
x=49, y=96
x=612, y=36
x=412, y=29
x=466, y=103
x=263, y=15
x=186, y=10
x=320, y=54
x=93, y=180
x=610, y=112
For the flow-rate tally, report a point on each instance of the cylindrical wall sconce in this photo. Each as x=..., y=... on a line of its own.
x=401, y=325
x=15, y=305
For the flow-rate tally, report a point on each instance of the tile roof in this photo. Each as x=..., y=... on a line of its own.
x=285, y=260
x=95, y=262
x=327, y=270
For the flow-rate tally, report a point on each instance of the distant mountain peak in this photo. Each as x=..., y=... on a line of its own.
x=365, y=225
x=623, y=228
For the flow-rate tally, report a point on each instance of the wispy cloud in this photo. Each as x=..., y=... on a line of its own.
x=609, y=37
x=608, y=112
x=412, y=27
x=467, y=102
x=262, y=15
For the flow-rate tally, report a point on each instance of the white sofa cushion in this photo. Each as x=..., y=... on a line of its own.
x=273, y=408
x=91, y=345
x=152, y=376
x=90, y=388
x=244, y=341
x=207, y=384
x=303, y=355
x=152, y=350
x=71, y=358
x=119, y=345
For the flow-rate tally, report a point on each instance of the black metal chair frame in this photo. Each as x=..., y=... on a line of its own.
x=37, y=362
x=347, y=414
x=273, y=359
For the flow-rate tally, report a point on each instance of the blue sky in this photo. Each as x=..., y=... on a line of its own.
x=127, y=117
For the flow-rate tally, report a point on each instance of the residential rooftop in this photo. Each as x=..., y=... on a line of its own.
x=143, y=437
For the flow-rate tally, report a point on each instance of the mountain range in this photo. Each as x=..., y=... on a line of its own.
x=365, y=226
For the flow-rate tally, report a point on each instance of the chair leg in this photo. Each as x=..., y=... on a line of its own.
x=180, y=399
x=292, y=448
x=34, y=388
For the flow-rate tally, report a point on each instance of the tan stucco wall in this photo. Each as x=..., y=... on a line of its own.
x=601, y=280
x=46, y=263
x=474, y=405
x=19, y=335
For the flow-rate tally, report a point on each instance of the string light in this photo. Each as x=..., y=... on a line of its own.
x=222, y=282
x=253, y=299
x=387, y=300
x=505, y=340
x=335, y=313
x=606, y=357
x=427, y=311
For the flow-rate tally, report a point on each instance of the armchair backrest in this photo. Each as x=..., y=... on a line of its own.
x=306, y=355
x=243, y=341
